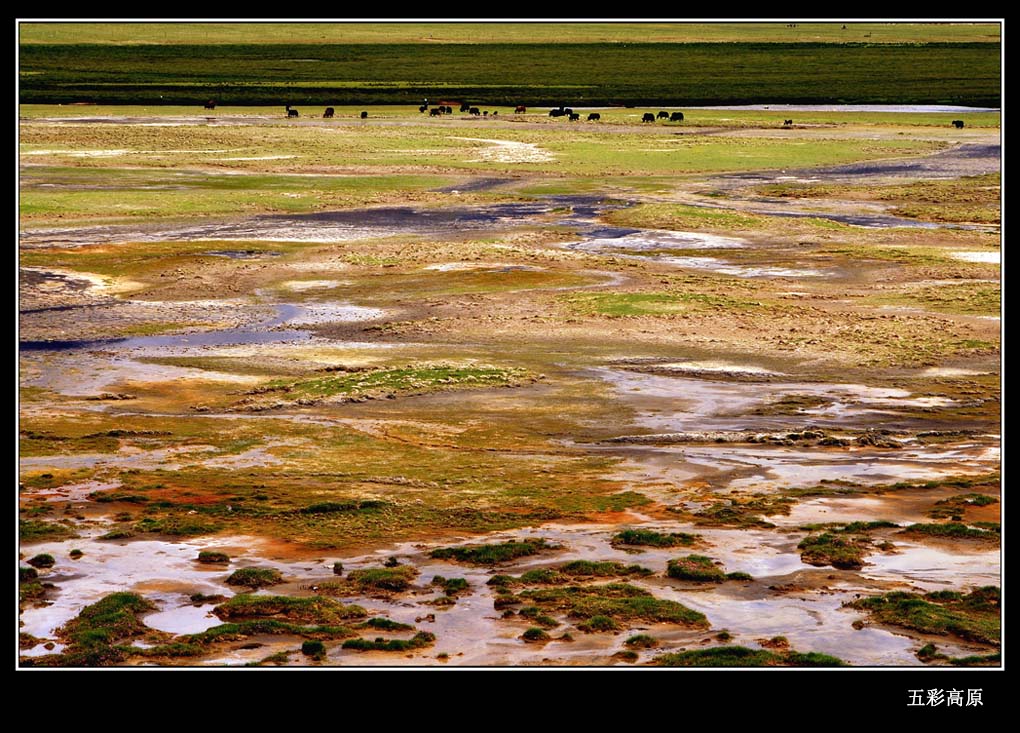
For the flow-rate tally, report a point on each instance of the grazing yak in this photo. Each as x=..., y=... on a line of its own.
x=465, y=107
x=435, y=111
x=557, y=112
x=663, y=115
x=291, y=112
x=649, y=117
x=475, y=111
x=364, y=115
x=423, y=108
x=329, y=112
x=958, y=124
x=676, y=117
x=210, y=104
x=594, y=117
x=520, y=109
x=447, y=110
x=574, y=116
x=787, y=123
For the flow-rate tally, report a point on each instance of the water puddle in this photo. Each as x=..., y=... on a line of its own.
x=40, y=650
x=471, y=632
x=655, y=246
x=241, y=254
x=300, y=286
x=936, y=568
x=343, y=226
x=817, y=623
x=264, y=332
x=163, y=571
x=993, y=258
x=186, y=619
x=71, y=492
x=684, y=403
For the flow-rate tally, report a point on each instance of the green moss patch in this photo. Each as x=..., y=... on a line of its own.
x=324, y=611
x=950, y=530
x=740, y=656
x=385, y=624
x=38, y=530
x=955, y=506
x=492, y=554
x=451, y=586
x=846, y=553
x=334, y=507
x=236, y=631
x=94, y=636
x=42, y=561
x=698, y=568
x=178, y=526
x=617, y=601
x=535, y=634
x=641, y=641
x=571, y=572
x=255, y=577
x=973, y=617
x=210, y=557
x=371, y=580
x=749, y=513
x=419, y=641
x=650, y=538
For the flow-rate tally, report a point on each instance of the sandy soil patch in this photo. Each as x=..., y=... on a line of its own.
x=509, y=151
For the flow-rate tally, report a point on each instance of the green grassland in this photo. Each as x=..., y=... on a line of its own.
x=531, y=32
x=967, y=199
x=541, y=73
x=422, y=147
x=108, y=193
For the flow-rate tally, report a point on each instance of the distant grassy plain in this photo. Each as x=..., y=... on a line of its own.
x=509, y=73
x=589, y=150
x=535, y=32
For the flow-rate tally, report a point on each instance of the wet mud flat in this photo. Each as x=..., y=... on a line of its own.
x=449, y=463
x=338, y=226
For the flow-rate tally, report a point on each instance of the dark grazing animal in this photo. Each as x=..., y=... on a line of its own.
x=594, y=117
x=676, y=117
x=364, y=115
x=520, y=109
x=329, y=112
x=210, y=104
x=557, y=112
x=447, y=110
x=423, y=108
x=958, y=124
x=435, y=112
x=574, y=116
x=465, y=107
x=787, y=123
x=291, y=112
x=649, y=117
x=663, y=115
x=475, y=111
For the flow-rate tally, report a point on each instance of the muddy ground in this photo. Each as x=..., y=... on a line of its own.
x=368, y=384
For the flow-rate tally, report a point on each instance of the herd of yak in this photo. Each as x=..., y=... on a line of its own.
x=561, y=111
